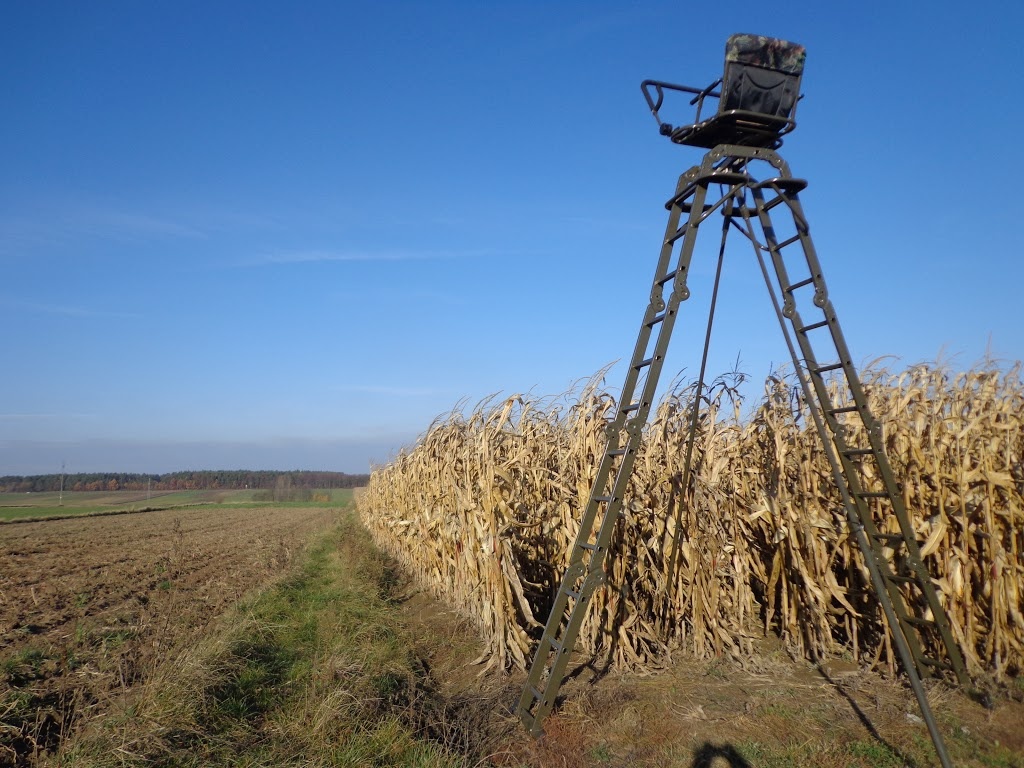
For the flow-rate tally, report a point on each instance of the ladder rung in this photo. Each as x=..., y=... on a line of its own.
x=591, y=547
x=902, y=580
x=787, y=243
x=630, y=408
x=537, y=693
x=920, y=622
x=788, y=185
x=826, y=368
x=619, y=452
x=679, y=199
x=687, y=207
x=724, y=177
x=669, y=276
x=889, y=538
x=801, y=284
x=844, y=409
x=603, y=498
x=656, y=319
x=573, y=595
x=812, y=326
x=556, y=646
x=644, y=363
x=873, y=494
x=856, y=451
x=671, y=239
x=930, y=662
x=774, y=202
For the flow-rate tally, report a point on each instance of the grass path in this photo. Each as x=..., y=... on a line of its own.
x=315, y=671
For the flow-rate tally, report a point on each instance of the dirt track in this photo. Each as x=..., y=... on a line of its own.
x=89, y=605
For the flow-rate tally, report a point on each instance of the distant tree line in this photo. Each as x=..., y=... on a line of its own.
x=181, y=481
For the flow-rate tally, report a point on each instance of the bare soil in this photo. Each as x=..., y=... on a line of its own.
x=89, y=606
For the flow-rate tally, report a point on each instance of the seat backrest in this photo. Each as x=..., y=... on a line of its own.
x=762, y=75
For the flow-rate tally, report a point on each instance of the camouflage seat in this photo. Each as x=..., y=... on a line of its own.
x=757, y=98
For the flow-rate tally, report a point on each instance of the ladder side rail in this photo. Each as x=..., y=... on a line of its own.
x=874, y=563
x=813, y=393
x=807, y=363
x=659, y=311
x=787, y=192
x=583, y=558
x=699, y=212
x=873, y=430
x=587, y=557
x=833, y=438
x=817, y=415
x=575, y=571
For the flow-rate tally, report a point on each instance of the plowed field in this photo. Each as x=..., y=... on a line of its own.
x=89, y=606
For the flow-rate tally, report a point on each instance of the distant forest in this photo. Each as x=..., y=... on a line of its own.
x=180, y=481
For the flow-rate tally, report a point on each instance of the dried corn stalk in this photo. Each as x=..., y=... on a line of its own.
x=485, y=508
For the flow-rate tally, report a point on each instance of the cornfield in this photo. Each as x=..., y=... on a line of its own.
x=484, y=511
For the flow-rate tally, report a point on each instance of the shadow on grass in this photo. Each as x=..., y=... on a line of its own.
x=706, y=754
x=864, y=720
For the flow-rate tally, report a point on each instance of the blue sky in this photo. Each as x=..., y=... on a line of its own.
x=282, y=235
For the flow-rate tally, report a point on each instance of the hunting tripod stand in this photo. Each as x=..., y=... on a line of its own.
x=744, y=179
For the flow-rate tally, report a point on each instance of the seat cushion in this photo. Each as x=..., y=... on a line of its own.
x=767, y=52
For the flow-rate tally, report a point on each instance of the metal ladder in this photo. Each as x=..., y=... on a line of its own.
x=861, y=470
x=585, y=570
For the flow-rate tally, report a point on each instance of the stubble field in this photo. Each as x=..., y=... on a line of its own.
x=89, y=605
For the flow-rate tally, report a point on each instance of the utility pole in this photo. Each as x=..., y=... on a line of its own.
x=60, y=495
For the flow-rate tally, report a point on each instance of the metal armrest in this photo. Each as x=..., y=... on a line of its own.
x=655, y=101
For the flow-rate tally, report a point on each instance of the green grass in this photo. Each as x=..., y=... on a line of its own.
x=31, y=506
x=22, y=667
x=83, y=498
x=21, y=506
x=316, y=671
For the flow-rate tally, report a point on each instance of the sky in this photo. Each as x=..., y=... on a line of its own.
x=277, y=235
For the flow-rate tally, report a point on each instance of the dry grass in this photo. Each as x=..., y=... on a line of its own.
x=485, y=508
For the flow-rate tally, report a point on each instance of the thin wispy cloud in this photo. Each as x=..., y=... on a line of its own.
x=71, y=225
x=318, y=256
x=63, y=309
x=44, y=416
x=132, y=225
